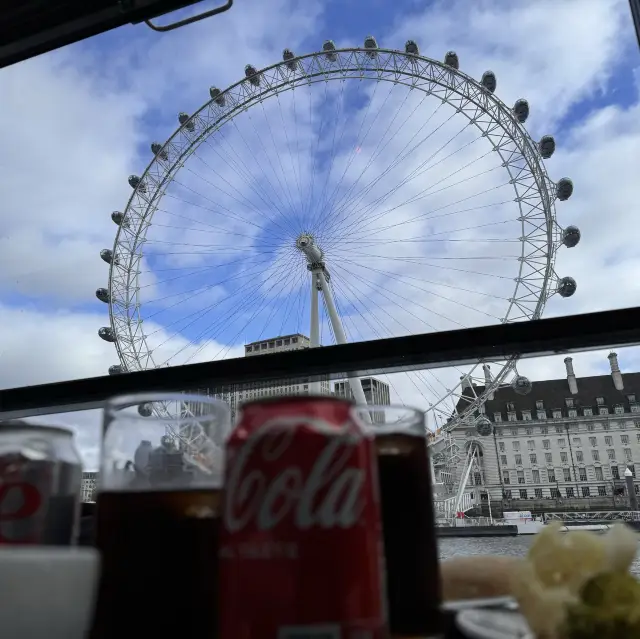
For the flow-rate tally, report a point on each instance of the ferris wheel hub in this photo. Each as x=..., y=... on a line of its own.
x=307, y=245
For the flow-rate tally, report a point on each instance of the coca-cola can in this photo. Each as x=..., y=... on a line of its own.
x=40, y=485
x=301, y=540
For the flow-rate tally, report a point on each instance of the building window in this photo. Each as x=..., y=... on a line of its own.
x=249, y=349
x=603, y=410
x=590, y=428
x=526, y=415
x=593, y=441
x=582, y=473
x=635, y=408
x=529, y=431
x=595, y=455
x=577, y=441
x=272, y=344
x=505, y=477
x=538, y=493
x=503, y=460
x=602, y=491
x=497, y=417
x=608, y=440
x=563, y=458
x=278, y=342
x=548, y=458
x=516, y=445
x=585, y=491
x=501, y=447
x=531, y=444
x=518, y=460
x=632, y=399
x=624, y=439
x=541, y=414
x=523, y=493
x=588, y=412
x=511, y=406
x=632, y=468
x=562, y=441
x=263, y=346
x=615, y=472
x=567, y=474
x=514, y=431
x=627, y=454
x=535, y=476
x=579, y=456
x=559, y=429
x=544, y=430
x=618, y=409
x=599, y=401
x=638, y=438
x=507, y=494
x=552, y=475
x=606, y=427
x=521, y=476
x=287, y=342
x=570, y=492
x=599, y=476
x=539, y=404
x=573, y=412
x=294, y=340
x=512, y=417
x=619, y=424
x=568, y=402
x=611, y=453
x=546, y=443
x=533, y=458
x=557, y=414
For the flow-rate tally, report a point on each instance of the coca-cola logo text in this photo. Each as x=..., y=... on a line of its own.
x=19, y=501
x=329, y=494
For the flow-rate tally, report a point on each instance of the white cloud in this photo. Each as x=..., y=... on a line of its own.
x=74, y=129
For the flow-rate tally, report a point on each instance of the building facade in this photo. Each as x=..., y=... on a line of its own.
x=89, y=486
x=376, y=391
x=570, y=438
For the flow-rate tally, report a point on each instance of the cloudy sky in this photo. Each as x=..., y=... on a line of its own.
x=409, y=201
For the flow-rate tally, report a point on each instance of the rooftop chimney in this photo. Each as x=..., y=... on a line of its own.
x=487, y=378
x=571, y=376
x=615, y=371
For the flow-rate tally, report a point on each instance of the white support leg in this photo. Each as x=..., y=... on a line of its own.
x=341, y=338
x=316, y=387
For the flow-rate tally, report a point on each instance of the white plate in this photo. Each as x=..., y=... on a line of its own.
x=493, y=624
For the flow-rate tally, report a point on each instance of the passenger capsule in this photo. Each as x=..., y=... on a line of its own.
x=371, y=46
x=567, y=287
x=547, y=146
x=564, y=189
x=571, y=236
x=136, y=183
x=521, y=385
x=103, y=295
x=106, y=333
x=116, y=369
x=252, y=75
x=484, y=427
x=117, y=217
x=411, y=48
x=106, y=255
x=521, y=110
x=329, y=48
x=158, y=151
x=145, y=410
x=451, y=60
x=217, y=97
x=289, y=57
x=489, y=81
x=184, y=120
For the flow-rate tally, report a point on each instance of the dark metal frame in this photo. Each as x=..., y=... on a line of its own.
x=431, y=350
x=635, y=14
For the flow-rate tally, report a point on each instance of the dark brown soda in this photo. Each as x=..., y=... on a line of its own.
x=413, y=583
x=159, y=564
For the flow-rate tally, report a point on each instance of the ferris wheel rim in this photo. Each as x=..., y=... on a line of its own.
x=480, y=98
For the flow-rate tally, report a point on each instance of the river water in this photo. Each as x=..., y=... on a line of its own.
x=512, y=546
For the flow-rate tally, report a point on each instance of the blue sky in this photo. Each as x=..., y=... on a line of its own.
x=81, y=119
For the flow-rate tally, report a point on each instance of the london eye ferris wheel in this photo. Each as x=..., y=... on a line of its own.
x=348, y=194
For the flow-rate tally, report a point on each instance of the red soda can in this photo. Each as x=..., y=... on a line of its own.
x=301, y=552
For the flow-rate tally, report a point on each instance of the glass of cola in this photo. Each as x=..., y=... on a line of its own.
x=160, y=483
x=408, y=524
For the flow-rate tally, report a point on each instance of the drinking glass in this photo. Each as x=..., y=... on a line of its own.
x=408, y=524
x=158, y=505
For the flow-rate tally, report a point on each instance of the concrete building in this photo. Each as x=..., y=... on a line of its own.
x=375, y=391
x=569, y=439
x=89, y=486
